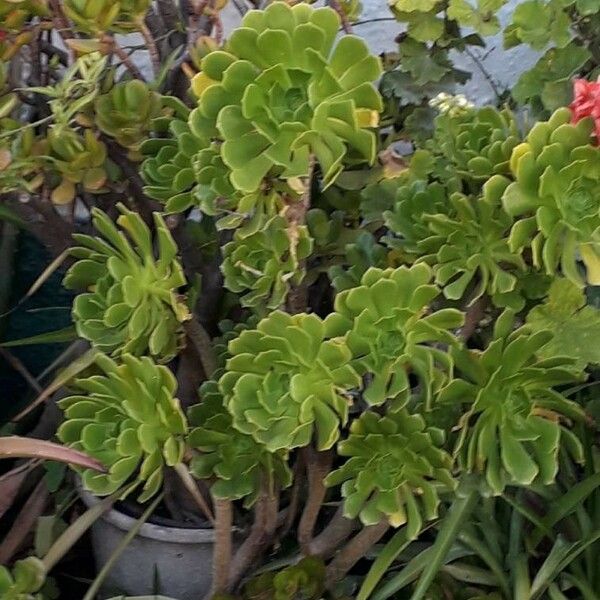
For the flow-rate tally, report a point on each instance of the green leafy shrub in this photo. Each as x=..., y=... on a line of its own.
x=128, y=418
x=370, y=423
x=133, y=305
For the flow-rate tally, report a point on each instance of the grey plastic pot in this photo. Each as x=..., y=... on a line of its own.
x=175, y=560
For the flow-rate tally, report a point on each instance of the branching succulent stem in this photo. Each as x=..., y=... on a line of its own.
x=60, y=21
x=150, y=46
x=335, y=533
x=356, y=548
x=296, y=216
x=291, y=511
x=223, y=545
x=318, y=465
x=473, y=316
x=202, y=344
x=262, y=532
x=124, y=58
x=192, y=488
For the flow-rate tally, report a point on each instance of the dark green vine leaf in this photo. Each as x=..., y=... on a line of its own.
x=549, y=82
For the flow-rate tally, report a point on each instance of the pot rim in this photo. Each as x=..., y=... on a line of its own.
x=174, y=535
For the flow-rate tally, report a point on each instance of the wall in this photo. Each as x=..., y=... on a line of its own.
x=379, y=28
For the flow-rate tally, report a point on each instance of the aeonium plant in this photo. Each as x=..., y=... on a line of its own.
x=324, y=345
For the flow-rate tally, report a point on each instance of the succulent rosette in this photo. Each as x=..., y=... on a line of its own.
x=386, y=325
x=407, y=219
x=25, y=581
x=99, y=16
x=515, y=423
x=287, y=381
x=477, y=142
x=168, y=169
x=78, y=159
x=282, y=90
x=132, y=304
x=394, y=469
x=129, y=418
x=240, y=464
x=14, y=14
x=263, y=265
x=555, y=197
x=126, y=114
x=470, y=244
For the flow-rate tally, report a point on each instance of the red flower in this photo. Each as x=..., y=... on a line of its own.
x=586, y=102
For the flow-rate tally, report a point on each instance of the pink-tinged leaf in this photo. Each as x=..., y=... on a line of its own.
x=22, y=447
x=10, y=484
x=24, y=523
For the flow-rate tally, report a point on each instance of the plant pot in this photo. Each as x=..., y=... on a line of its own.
x=172, y=561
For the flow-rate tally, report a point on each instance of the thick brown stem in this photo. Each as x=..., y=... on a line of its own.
x=356, y=549
x=150, y=46
x=61, y=23
x=335, y=533
x=202, y=344
x=189, y=377
x=261, y=534
x=125, y=59
x=295, y=213
x=24, y=522
x=473, y=316
x=169, y=13
x=291, y=512
x=346, y=26
x=42, y=221
x=52, y=51
x=133, y=183
x=223, y=545
x=318, y=465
